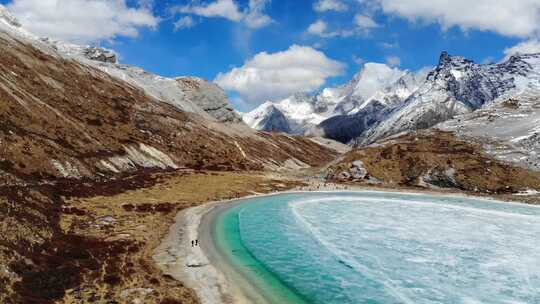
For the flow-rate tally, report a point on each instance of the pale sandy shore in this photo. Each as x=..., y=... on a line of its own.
x=204, y=269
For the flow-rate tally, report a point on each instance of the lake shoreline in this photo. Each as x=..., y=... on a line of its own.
x=205, y=269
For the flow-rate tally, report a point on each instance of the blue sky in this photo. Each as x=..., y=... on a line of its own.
x=409, y=34
x=216, y=44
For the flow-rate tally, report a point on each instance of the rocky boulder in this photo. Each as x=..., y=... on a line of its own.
x=355, y=172
x=100, y=54
x=210, y=97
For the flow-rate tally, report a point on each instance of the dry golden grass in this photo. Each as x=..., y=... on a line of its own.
x=140, y=218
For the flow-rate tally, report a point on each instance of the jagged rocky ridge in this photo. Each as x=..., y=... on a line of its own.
x=457, y=86
x=191, y=94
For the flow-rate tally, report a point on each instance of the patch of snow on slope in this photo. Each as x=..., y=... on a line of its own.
x=138, y=156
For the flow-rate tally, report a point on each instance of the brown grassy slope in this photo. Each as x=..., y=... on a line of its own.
x=58, y=110
x=406, y=160
x=97, y=246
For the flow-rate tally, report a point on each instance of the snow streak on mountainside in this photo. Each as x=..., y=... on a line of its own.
x=376, y=83
x=7, y=17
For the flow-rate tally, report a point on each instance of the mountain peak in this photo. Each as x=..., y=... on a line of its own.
x=445, y=57
x=448, y=60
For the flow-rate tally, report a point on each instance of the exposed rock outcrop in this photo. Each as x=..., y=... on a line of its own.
x=209, y=97
x=434, y=159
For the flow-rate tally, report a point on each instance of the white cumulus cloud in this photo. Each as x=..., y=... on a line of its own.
x=221, y=8
x=365, y=22
x=519, y=18
x=329, y=5
x=526, y=47
x=272, y=76
x=83, y=21
x=318, y=27
x=252, y=16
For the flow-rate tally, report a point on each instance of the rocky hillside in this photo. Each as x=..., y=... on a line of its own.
x=508, y=130
x=61, y=117
x=436, y=160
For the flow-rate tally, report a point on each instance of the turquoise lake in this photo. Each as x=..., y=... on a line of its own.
x=375, y=247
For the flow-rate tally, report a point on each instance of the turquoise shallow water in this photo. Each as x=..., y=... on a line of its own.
x=386, y=248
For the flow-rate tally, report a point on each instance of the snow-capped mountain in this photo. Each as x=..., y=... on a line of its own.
x=267, y=118
x=495, y=104
x=303, y=113
x=457, y=86
x=352, y=125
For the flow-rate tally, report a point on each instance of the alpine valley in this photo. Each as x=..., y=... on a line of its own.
x=97, y=158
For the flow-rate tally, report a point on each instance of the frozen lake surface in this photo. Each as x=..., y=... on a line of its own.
x=375, y=247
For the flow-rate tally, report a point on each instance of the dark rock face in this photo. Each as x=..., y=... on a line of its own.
x=275, y=121
x=209, y=97
x=442, y=178
x=474, y=84
x=345, y=128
